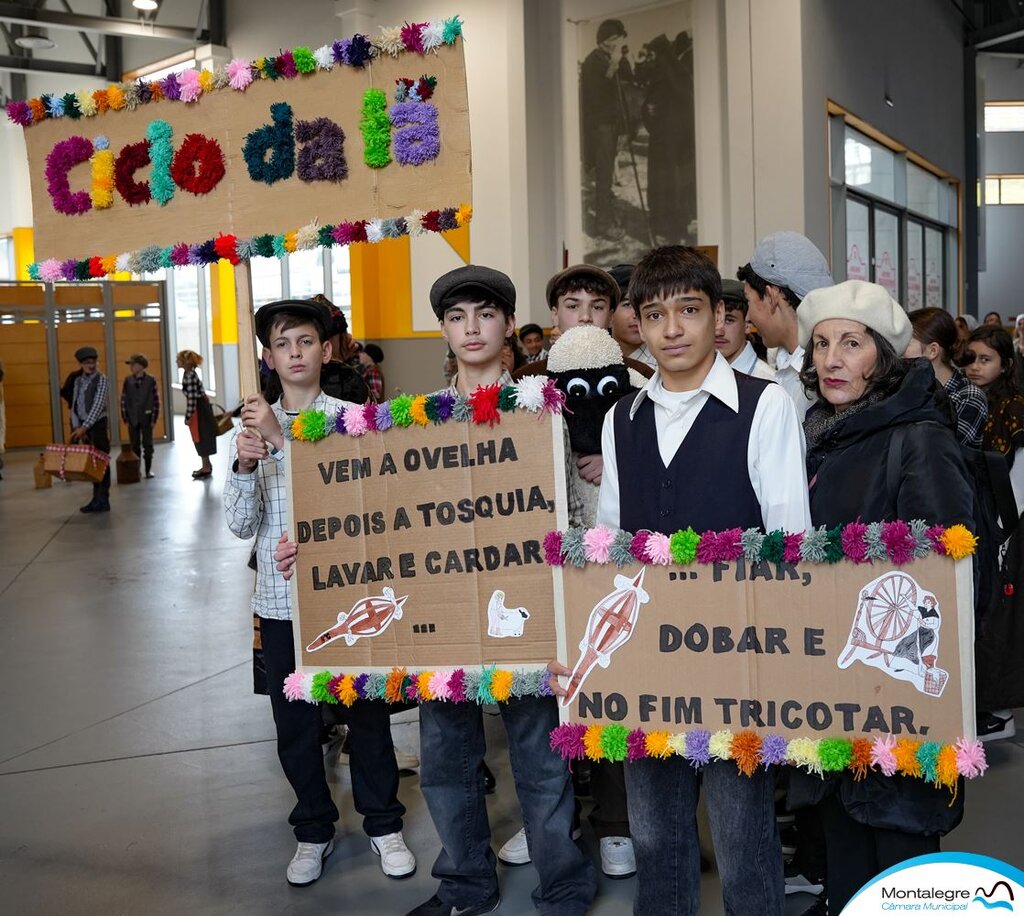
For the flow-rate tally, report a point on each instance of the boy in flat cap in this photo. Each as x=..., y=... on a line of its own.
x=476, y=310
x=294, y=334
x=89, y=420
x=140, y=408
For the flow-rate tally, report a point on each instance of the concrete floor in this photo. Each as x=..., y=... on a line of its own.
x=137, y=769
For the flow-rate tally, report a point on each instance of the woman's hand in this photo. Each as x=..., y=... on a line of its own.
x=284, y=556
x=556, y=669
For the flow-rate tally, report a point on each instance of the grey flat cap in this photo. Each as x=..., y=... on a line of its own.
x=732, y=291
x=790, y=259
x=84, y=353
x=486, y=283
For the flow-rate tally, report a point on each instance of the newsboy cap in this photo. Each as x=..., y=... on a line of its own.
x=856, y=300
x=791, y=260
x=475, y=282
x=313, y=311
x=137, y=358
x=84, y=353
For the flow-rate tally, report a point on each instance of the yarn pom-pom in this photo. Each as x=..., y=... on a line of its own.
x=970, y=758
x=530, y=393
x=390, y=40
x=614, y=742
x=835, y=754
x=457, y=686
x=484, y=403
x=898, y=541
x=959, y=542
x=707, y=548
x=297, y=686
x=720, y=745
x=346, y=691
x=873, y=540
x=636, y=745
x=319, y=687
x=906, y=757
x=452, y=30
x=461, y=411
x=393, y=685
x=572, y=547
x=412, y=36
x=791, y=544
x=361, y=683
x=730, y=545
x=928, y=758
x=324, y=57
x=698, y=750
x=432, y=35
x=50, y=270
x=305, y=62
x=638, y=546
x=883, y=754
x=190, y=86
x=484, y=694
x=355, y=420
x=752, y=540
x=815, y=545
x=683, y=546
x=411, y=688
x=507, y=399
x=946, y=772
x=934, y=535
x=501, y=685
x=554, y=397
x=774, y=546
x=657, y=745
x=658, y=548
x=423, y=688
x=592, y=743
x=20, y=113
x=620, y=554
x=439, y=685
x=773, y=750
x=746, y=751
x=553, y=548
x=239, y=74
x=568, y=741
x=854, y=545
x=860, y=758
x=418, y=410
x=803, y=752
x=597, y=544
x=834, y=546
x=677, y=744
x=382, y=416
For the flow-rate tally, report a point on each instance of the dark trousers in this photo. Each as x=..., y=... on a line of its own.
x=857, y=852
x=141, y=436
x=99, y=438
x=371, y=751
x=605, y=139
x=610, y=816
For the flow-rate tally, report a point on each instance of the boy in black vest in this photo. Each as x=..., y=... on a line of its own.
x=89, y=420
x=140, y=408
x=719, y=450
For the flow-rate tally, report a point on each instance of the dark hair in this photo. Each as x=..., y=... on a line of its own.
x=935, y=326
x=530, y=329
x=1000, y=317
x=374, y=352
x=588, y=284
x=999, y=340
x=735, y=305
x=672, y=270
x=286, y=321
x=760, y=285
x=478, y=294
x=518, y=356
x=887, y=376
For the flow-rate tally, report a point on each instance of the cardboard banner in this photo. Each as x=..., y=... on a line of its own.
x=802, y=651
x=307, y=159
x=422, y=547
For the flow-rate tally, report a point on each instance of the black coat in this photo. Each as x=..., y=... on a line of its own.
x=848, y=471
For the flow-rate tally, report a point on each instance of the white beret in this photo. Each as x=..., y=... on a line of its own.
x=584, y=347
x=856, y=300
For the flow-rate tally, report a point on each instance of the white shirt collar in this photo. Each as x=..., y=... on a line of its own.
x=746, y=361
x=786, y=360
x=720, y=383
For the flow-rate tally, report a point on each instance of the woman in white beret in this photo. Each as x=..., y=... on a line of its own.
x=879, y=447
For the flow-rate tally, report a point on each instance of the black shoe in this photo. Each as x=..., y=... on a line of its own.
x=102, y=505
x=89, y=506
x=489, y=785
x=435, y=907
x=992, y=726
x=150, y=475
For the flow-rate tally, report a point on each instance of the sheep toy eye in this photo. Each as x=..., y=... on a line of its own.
x=608, y=385
x=577, y=388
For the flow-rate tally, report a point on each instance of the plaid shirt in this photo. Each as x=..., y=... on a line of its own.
x=89, y=418
x=256, y=504
x=971, y=407
x=193, y=390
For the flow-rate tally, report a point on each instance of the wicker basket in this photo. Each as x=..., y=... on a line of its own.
x=75, y=462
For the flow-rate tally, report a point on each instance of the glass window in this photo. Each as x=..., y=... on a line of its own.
x=869, y=166
x=886, y=256
x=932, y=268
x=915, y=289
x=6, y=258
x=1011, y=190
x=923, y=191
x=341, y=280
x=306, y=274
x=266, y=280
x=858, y=240
x=186, y=310
x=991, y=191
x=1004, y=118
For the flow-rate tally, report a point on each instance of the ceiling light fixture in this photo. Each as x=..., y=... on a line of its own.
x=145, y=5
x=35, y=39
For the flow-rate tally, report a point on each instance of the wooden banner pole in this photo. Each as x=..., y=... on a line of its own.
x=248, y=372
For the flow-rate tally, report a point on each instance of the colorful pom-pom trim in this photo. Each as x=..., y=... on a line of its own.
x=232, y=249
x=901, y=543
x=190, y=85
x=488, y=684
x=940, y=764
x=483, y=406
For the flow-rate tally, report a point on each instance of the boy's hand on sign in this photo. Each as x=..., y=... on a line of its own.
x=590, y=467
x=556, y=669
x=257, y=414
x=284, y=556
x=252, y=449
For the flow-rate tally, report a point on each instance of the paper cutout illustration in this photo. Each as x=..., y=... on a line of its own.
x=896, y=629
x=611, y=623
x=369, y=617
x=504, y=621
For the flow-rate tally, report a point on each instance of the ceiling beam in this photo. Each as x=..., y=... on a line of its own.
x=76, y=22
x=36, y=65
x=1000, y=34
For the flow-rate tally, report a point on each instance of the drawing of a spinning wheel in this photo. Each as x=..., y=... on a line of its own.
x=884, y=616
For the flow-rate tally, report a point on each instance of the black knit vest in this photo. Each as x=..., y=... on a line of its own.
x=707, y=484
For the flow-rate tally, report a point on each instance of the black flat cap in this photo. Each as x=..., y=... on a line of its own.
x=475, y=282
x=313, y=311
x=84, y=353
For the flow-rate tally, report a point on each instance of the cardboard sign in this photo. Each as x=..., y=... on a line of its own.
x=813, y=651
x=423, y=547
x=325, y=102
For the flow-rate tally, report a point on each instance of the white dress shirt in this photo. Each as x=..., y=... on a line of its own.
x=787, y=374
x=748, y=363
x=775, y=450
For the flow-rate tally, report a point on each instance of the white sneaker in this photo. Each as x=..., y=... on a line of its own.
x=516, y=851
x=396, y=860
x=798, y=884
x=406, y=761
x=307, y=864
x=617, y=857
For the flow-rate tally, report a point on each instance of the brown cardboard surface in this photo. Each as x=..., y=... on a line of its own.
x=238, y=204
x=706, y=679
x=443, y=622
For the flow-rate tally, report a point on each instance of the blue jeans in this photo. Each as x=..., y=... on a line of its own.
x=451, y=778
x=662, y=797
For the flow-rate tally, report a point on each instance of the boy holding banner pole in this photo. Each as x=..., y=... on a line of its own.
x=723, y=450
x=294, y=338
